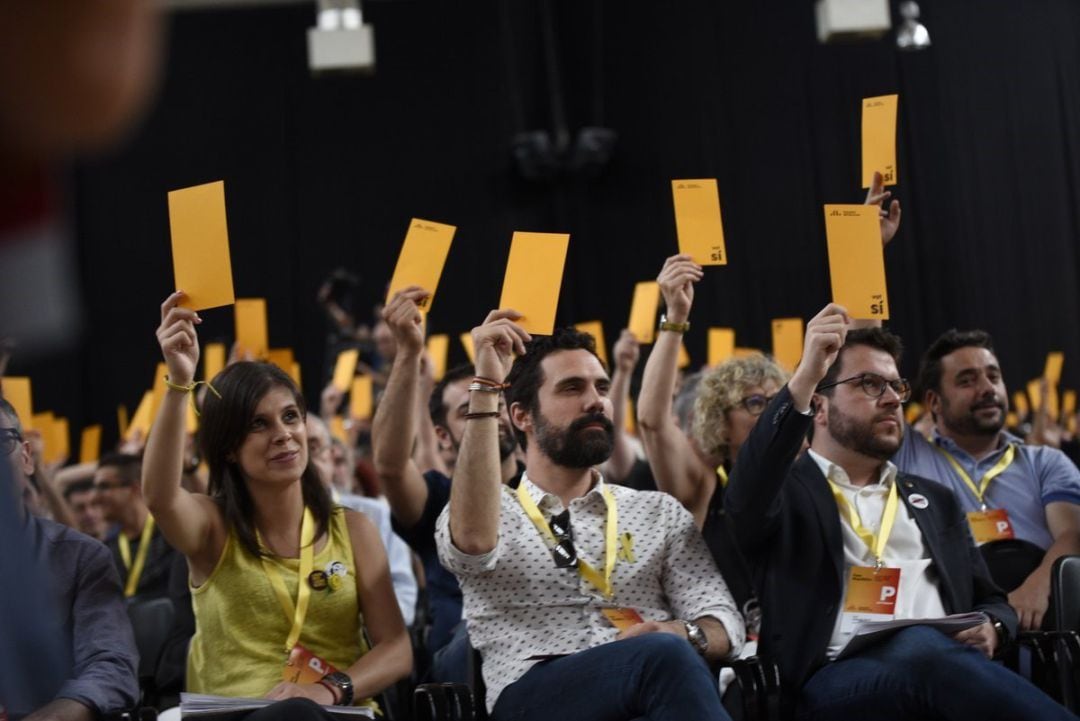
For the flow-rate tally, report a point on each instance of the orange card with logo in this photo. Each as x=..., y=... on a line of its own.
x=787, y=342
x=622, y=618
x=698, y=222
x=879, y=139
x=872, y=590
x=422, y=258
x=721, y=345
x=990, y=525
x=643, y=311
x=303, y=666
x=200, y=245
x=533, y=279
x=856, y=261
x=596, y=329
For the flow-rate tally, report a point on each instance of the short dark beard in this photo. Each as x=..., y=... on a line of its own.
x=859, y=437
x=574, y=447
x=967, y=423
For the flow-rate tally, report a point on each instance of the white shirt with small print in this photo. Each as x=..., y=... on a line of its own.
x=520, y=606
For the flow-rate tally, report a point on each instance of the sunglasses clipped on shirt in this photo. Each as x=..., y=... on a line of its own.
x=874, y=385
x=563, y=551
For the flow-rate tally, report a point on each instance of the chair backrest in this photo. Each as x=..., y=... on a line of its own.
x=1011, y=561
x=1065, y=592
x=151, y=621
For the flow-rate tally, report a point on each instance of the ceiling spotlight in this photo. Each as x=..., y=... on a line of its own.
x=341, y=41
x=912, y=34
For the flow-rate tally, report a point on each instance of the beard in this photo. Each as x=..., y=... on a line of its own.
x=576, y=446
x=860, y=436
x=970, y=422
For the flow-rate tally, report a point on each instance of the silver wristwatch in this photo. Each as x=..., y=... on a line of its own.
x=697, y=637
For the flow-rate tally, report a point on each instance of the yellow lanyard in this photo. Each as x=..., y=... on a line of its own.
x=888, y=518
x=303, y=589
x=722, y=473
x=980, y=490
x=611, y=533
x=135, y=572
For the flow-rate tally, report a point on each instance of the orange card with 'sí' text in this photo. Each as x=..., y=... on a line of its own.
x=698, y=222
x=879, y=139
x=533, y=279
x=422, y=257
x=200, y=245
x=856, y=260
x=643, y=311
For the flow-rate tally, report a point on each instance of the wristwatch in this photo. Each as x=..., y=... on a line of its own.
x=342, y=683
x=1002, y=633
x=665, y=324
x=697, y=637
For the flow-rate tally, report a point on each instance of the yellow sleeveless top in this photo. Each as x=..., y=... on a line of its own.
x=240, y=627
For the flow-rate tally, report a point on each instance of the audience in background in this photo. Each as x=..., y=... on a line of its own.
x=81, y=498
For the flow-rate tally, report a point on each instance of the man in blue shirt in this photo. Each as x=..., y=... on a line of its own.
x=1007, y=489
x=87, y=613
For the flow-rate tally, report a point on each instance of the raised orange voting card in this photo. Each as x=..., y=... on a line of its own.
x=360, y=398
x=158, y=389
x=643, y=311
x=467, y=344
x=744, y=352
x=17, y=392
x=283, y=358
x=596, y=329
x=200, y=245
x=213, y=360
x=90, y=444
x=856, y=261
x=438, y=346
x=879, y=139
x=697, y=220
x=1020, y=403
x=721, y=345
x=142, y=419
x=252, y=337
x=684, y=357
x=533, y=278
x=1052, y=372
x=294, y=373
x=345, y=369
x=787, y=342
x=422, y=257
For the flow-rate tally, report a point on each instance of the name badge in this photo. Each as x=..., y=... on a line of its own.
x=990, y=525
x=303, y=666
x=622, y=618
x=871, y=596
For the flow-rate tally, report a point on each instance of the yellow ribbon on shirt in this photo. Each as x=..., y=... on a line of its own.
x=888, y=519
x=979, y=491
x=303, y=588
x=135, y=572
x=602, y=582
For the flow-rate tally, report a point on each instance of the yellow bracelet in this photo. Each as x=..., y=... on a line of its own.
x=189, y=388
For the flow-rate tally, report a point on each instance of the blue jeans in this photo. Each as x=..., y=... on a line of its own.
x=922, y=674
x=451, y=662
x=658, y=676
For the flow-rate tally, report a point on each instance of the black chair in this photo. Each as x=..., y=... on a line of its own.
x=152, y=621
x=1011, y=561
x=753, y=696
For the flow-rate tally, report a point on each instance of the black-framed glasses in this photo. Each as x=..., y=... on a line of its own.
x=755, y=403
x=563, y=551
x=874, y=385
x=10, y=438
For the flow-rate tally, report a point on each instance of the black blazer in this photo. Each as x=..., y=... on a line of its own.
x=786, y=522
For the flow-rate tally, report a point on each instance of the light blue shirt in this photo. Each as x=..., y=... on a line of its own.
x=1038, y=475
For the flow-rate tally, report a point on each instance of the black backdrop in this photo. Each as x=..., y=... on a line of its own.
x=327, y=171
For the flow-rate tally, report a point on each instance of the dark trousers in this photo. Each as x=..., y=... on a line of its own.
x=922, y=674
x=291, y=709
x=659, y=677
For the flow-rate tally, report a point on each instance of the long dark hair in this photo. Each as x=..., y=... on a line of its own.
x=225, y=423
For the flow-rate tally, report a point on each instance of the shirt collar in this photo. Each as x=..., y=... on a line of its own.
x=1005, y=439
x=545, y=500
x=839, y=476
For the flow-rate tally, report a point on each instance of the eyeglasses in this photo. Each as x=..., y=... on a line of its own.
x=563, y=551
x=755, y=404
x=10, y=438
x=874, y=385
